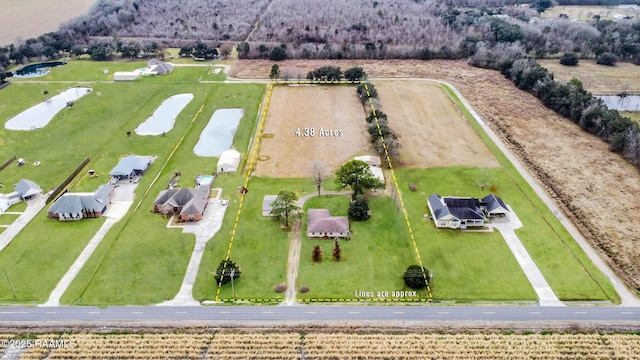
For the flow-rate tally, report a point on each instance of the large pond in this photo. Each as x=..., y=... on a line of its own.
x=39, y=69
x=38, y=116
x=163, y=119
x=218, y=135
x=626, y=103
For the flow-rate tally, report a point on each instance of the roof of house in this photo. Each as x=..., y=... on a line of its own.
x=76, y=203
x=321, y=221
x=461, y=208
x=192, y=200
x=26, y=188
x=231, y=157
x=267, y=201
x=492, y=202
x=160, y=66
x=127, y=165
x=369, y=159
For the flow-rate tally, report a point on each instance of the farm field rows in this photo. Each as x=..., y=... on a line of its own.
x=319, y=345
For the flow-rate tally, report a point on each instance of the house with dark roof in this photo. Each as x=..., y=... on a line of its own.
x=159, y=67
x=130, y=166
x=27, y=189
x=188, y=204
x=77, y=206
x=463, y=212
x=320, y=224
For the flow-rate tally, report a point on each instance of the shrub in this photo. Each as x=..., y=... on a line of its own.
x=280, y=287
x=317, y=253
x=414, y=277
x=224, y=271
x=304, y=289
x=607, y=59
x=359, y=208
x=337, y=251
x=569, y=59
x=354, y=74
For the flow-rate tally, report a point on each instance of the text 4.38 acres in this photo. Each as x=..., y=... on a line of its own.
x=311, y=132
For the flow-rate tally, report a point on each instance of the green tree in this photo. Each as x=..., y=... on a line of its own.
x=275, y=72
x=607, y=58
x=284, y=207
x=569, y=59
x=359, y=208
x=416, y=277
x=225, y=270
x=358, y=176
x=243, y=50
x=354, y=74
x=278, y=54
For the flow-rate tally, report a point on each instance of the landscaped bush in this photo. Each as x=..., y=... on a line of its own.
x=317, y=253
x=280, y=287
x=359, y=208
x=414, y=277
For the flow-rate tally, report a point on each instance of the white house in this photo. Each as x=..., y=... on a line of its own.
x=126, y=75
x=229, y=161
x=462, y=212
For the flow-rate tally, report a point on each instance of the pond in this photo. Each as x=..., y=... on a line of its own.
x=39, y=115
x=39, y=69
x=218, y=135
x=164, y=118
x=626, y=103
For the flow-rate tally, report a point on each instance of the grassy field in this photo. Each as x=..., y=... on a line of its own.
x=598, y=79
x=581, y=12
x=8, y=219
x=96, y=127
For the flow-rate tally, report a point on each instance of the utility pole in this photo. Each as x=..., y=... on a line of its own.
x=233, y=289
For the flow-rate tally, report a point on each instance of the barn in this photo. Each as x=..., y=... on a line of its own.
x=229, y=161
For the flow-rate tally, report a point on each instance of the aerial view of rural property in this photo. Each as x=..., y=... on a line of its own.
x=320, y=180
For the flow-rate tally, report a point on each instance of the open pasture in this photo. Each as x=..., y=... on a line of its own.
x=331, y=127
x=582, y=12
x=430, y=127
x=598, y=79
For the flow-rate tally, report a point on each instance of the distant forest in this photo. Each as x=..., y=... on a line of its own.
x=497, y=34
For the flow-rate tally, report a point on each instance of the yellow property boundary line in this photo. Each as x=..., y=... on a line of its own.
x=251, y=168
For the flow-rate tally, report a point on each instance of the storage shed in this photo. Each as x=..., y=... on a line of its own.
x=229, y=161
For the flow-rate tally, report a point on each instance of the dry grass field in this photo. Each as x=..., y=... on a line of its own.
x=319, y=345
x=598, y=79
x=25, y=19
x=588, y=12
x=336, y=117
x=430, y=128
x=578, y=170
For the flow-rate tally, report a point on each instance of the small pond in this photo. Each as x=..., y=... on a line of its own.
x=218, y=135
x=39, y=69
x=39, y=115
x=163, y=119
x=616, y=102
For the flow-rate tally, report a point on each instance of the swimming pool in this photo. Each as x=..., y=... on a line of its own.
x=164, y=118
x=218, y=135
x=204, y=180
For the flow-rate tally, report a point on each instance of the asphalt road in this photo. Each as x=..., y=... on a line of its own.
x=274, y=315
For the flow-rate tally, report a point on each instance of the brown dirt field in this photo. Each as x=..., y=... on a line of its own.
x=595, y=187
x=598, y=79
x=426, y=120
x=326, y=107
x=25, y=19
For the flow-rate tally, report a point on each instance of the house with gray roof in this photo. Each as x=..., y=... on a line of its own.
x=320, y=224
x=463, y=212
x=27, y=189
x=130, y=166
x=267, y=204
x=188, y=203
x=159, y=67
x=77, y=206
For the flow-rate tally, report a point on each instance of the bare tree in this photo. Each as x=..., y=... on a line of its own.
x=319, y=173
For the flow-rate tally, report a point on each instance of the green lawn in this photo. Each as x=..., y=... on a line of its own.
x=139, y=261
x=8, y=219
x=373, y=260
x=19, y=207
x=563, y=263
